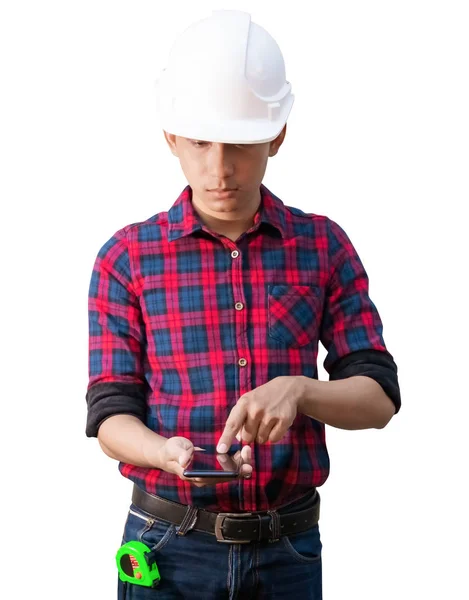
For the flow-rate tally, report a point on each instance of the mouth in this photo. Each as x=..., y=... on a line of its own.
x=223, y=193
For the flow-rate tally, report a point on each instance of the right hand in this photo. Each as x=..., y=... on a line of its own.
x=176, y=453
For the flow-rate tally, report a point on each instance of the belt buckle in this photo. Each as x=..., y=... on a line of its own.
x=219, y=527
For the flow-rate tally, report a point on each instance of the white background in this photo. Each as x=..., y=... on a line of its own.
x=377, y=140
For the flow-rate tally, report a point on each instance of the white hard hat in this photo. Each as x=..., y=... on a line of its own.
x=225, y=82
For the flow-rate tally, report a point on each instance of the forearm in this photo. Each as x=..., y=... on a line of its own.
x=127, y=439
x=356, y=402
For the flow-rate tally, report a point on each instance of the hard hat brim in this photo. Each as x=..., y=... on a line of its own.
x=252, y=131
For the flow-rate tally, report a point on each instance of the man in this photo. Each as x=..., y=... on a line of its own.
x=204, y=329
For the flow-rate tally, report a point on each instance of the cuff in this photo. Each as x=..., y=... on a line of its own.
x=113, y=398
x=376, y=364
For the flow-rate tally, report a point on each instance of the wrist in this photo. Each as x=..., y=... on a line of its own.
x=305, y=389
x=153, y=449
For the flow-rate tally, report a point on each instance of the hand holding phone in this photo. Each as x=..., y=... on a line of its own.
x=212, y=466
x=229, y=468
x=177, y=455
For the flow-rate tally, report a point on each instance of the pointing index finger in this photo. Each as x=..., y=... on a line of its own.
x=233, y=424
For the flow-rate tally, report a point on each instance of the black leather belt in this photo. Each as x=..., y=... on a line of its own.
x=234, y=528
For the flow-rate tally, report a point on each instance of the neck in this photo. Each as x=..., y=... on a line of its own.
x=230, y=227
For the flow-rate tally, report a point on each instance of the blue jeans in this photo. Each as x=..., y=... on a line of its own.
x=197, y=566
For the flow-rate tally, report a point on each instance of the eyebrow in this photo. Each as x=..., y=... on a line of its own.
x=225, y=143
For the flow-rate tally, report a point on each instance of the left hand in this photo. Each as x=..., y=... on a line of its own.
x=263, y=414
x=242, y=458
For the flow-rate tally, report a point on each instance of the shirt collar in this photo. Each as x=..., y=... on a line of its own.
x=184, y=220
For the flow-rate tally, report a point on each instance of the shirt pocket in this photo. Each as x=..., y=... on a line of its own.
x=294, y=314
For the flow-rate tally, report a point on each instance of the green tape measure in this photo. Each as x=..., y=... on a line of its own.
x=136, y=564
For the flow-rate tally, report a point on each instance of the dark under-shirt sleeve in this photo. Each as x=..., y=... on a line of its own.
x=378, y=365
x=351, y=329
x=113, y=398
x=117, y=341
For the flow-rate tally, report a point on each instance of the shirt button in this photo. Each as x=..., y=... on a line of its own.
x=242, y=362
x=234, y=254
x=239, y=306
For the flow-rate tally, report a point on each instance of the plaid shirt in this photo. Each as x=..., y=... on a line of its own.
x=183, y=321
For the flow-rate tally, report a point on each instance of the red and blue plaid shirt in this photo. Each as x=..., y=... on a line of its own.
x=183, y=321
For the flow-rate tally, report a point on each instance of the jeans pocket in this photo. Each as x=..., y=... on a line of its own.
x=145, y=528
x=305, y=546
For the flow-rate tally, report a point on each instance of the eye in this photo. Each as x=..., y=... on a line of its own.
x=199, y=144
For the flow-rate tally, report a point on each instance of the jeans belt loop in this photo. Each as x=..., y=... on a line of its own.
x=188, y=521
x=274, y=526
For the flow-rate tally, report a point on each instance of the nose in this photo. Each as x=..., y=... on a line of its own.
x=221, y=165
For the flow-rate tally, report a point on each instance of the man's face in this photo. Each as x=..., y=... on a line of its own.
x=211, y=165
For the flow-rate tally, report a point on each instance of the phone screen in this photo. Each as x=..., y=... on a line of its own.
x=205, y=464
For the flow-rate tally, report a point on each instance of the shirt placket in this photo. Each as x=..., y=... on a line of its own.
x=243, y=355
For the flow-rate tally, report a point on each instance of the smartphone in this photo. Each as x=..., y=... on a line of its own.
x=205, y=464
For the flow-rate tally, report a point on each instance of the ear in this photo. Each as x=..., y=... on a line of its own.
x=275, y=144
x=171, y=140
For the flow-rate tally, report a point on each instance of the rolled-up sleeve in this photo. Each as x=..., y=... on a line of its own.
x=116, y=338
x=351, y=329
